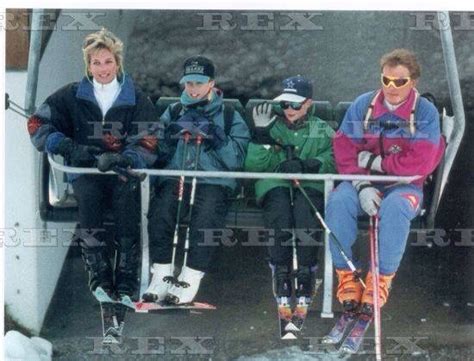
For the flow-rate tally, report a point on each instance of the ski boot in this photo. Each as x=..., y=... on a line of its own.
x=281, y=281
x=126, y=280
x=349, y=290
x=305, y=281
x=97, y=264
x=160, y=282
x=187, y=286
x=385, y=282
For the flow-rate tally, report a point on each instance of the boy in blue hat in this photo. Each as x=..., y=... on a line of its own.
x=289, y=138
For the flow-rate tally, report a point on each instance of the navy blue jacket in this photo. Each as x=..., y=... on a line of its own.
x=73, y=112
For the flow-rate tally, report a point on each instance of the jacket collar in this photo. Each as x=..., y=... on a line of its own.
x=403, y=111
x=126, y=96
x=207, y=107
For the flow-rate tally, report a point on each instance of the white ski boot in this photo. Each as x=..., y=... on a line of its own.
x=186, y=288
x=160, y=282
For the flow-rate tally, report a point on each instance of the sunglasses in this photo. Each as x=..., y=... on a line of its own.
x=396, y=82
x=292, y=105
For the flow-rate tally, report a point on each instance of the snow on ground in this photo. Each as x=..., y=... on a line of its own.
x=291, y=353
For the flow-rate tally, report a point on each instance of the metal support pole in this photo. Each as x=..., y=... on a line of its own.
x=455, y=95
x=328, y=271
x=34, y=57
x=145, y=200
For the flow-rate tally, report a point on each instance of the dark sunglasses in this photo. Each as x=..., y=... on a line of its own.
x=396, y=82
x=292, y=105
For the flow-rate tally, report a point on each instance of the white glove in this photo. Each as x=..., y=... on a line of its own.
x=369, y=197
x=368, y=160
x=262, y=115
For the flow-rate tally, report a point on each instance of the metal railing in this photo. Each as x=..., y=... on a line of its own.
x=145, y=188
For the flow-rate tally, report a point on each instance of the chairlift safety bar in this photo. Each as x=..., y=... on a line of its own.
x=145, y=191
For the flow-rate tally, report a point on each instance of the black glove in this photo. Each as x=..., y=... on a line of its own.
x=190, y=122
x=213, y=135
x=107, y=161
x=183, y=124
x=311, y=166
x=296, y=165
x=77, y=155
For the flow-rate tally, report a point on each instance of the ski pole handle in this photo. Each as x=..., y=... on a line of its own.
x=198, y=142
x=290, y=149
x=186, y=137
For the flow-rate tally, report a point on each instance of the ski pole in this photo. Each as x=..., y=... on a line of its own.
x=330, y=233
x=172, y=279
x=289, y=156
x=16, y=108
x=374, y=265
x=191, y=201
x=124, y=172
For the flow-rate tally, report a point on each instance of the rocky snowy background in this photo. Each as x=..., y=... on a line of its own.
x=254, y=51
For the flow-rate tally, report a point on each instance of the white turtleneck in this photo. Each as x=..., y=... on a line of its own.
x=392, y=107
x=105, y=94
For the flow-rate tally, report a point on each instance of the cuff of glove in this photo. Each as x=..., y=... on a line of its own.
x=360, y=185
x=262, y=136
x=64, y=147
x=375, y=163
x=128, y=161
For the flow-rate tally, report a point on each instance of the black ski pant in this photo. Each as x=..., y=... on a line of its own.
x=280, y=218
x=208, y=215
x=97, y=193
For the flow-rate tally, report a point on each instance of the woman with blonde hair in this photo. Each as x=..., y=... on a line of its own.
x=96, y=122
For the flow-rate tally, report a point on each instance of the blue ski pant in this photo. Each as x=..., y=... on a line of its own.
x=400, y=204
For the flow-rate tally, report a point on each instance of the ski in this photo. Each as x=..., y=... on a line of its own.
x=127, y=302
x=120, y=312
x=145, y=307
x=111, y=327
x=344, y=323
x=302, y=307
x=355, y=337
x=102, y=296
x=113, y=314
x=287, y=329
x=299, y=314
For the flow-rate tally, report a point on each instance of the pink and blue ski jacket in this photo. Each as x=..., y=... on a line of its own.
x=405, y=151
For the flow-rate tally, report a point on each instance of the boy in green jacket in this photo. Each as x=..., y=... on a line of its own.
x=289, y=138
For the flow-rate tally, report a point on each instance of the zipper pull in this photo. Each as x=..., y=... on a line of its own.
x=103, y=121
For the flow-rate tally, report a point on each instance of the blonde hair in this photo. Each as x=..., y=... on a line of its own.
x=402, y=57
x=103, y=39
